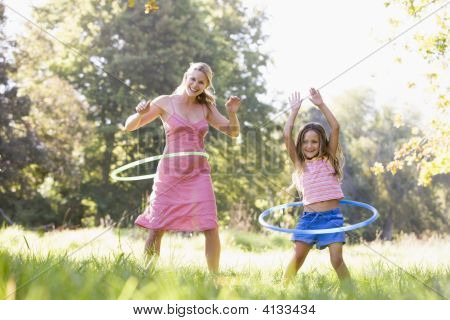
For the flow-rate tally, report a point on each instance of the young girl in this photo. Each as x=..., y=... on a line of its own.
x=183, y=196
x=318, y=170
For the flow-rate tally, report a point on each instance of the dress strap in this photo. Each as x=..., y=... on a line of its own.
x=205, y=112
x=171, y=105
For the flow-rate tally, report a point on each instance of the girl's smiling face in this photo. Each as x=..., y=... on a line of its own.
x=310, y=144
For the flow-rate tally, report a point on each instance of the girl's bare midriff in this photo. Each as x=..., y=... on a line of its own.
x=322, y=206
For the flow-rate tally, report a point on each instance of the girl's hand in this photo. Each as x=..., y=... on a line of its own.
x=233, y=104
x=143, y=107
x=295, y=101
x=315, y=97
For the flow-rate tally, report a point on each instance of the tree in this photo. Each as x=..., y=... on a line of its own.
x=114, y=56
x=429, y=151
x=22, y=154
x=403, y=205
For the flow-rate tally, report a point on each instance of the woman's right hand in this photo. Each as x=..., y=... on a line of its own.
x=143, y=107
x=295, y=101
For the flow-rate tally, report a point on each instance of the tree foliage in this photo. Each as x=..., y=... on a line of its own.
x=61, y=134
x=114, y=56
x=22, y=154
x=429, y=151
x=372, y=136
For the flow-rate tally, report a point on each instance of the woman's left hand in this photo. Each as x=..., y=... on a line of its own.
x=233, y=104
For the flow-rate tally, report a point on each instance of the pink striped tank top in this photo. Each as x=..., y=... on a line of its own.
x=317, y=183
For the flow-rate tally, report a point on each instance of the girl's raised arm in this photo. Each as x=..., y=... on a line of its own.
x=316, y=98
x=295, y=102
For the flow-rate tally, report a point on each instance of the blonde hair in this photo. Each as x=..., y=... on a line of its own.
x=336, y=161
x=207, y=96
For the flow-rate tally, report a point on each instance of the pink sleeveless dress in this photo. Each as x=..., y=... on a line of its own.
x=182, y=198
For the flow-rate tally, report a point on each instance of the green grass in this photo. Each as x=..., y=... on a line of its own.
x=58, y=265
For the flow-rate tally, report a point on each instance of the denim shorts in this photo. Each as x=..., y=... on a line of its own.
x=320, y=220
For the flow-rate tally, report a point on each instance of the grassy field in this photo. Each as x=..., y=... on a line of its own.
x=107, y=264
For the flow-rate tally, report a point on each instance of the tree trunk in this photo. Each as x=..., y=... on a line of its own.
x=387, y=228
x=106, y=167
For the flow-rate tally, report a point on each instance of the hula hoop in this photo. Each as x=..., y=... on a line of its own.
x=115, y=172
x=364, y=223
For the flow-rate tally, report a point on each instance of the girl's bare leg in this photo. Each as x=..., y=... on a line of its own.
x=301, y=251
x=337, y=261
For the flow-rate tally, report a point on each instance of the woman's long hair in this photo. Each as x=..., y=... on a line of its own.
x=207, y=96
x=337, y=161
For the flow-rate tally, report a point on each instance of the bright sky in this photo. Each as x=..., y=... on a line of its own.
x=311, y=42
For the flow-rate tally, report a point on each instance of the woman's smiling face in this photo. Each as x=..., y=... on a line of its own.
x=196, y=83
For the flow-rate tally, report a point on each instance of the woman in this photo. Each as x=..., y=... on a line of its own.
x=183, y=197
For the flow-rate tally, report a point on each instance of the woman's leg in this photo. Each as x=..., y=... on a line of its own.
x=153, y=246
x=301, y=251
x=337, y=261
x=212, y=249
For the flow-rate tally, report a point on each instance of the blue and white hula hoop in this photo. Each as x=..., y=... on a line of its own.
x=364, y=223
x=114, y=174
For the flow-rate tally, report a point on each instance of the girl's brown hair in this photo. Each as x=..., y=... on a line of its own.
x=337, y=160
